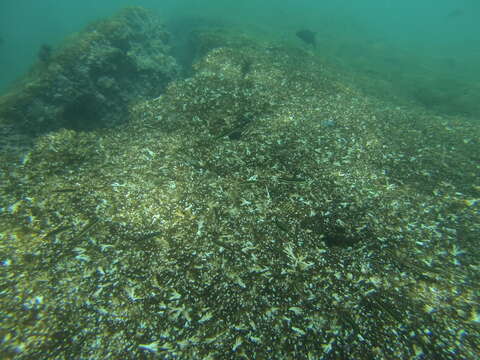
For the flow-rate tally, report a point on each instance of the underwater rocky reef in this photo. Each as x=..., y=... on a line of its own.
x=90, y=80
x=259, y=209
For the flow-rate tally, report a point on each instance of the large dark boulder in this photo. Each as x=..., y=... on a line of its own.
x=93, y=77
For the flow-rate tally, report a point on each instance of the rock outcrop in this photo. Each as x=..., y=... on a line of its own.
x=91, y=79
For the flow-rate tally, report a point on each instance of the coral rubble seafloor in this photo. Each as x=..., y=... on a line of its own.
x=259, y=209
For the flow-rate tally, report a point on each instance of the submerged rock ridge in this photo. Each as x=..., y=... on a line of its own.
x=92, y=77
x=259, y=209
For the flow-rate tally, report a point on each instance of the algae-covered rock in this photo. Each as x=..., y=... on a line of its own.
x=90, y=80
x=259, y=209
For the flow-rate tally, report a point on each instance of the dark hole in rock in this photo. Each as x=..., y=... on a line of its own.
x=83, y=114
x=334, y=235
x=235, y=135
x=337, y=237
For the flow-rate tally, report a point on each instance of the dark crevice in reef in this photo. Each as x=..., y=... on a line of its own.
x=81, y=114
